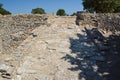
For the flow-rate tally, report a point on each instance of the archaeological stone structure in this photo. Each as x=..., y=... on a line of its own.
x=50, y=47
x=14, y=29
x=105, y=21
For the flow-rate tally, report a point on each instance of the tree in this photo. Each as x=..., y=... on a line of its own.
x=117, y=9
x=73, y=14
x=38, y=11
x=101, y=6
x=3, y=11
x=61, y=12
x=1, y=5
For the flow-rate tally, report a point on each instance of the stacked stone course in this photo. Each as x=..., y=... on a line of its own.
x=105, y=21
x=15, y=28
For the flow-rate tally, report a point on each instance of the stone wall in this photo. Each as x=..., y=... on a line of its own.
x=105, y=21
x=15, y=28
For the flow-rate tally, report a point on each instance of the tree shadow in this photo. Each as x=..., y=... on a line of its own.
x=92, y=63
x=86, y=55
x=111, y=64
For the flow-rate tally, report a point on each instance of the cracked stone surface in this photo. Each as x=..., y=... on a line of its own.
x=40, y=57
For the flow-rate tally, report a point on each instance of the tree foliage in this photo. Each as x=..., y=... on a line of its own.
x=61, y=12
x=3, y=11
x=1, y=5
x=73, y=14
x=117, y=9
x=101, y=6
x=38, y=11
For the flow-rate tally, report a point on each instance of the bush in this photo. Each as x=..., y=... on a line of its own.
x=38, y=11
x=61, y=12
x=73, y=14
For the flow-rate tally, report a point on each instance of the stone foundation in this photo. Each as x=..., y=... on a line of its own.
x=105, y=21
x=16, y=28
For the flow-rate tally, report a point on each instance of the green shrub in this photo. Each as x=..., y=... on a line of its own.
x=38, y=11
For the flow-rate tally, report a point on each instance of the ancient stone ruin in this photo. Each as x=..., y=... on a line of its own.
x=50, y=47
x=16, y=28
x=105, y=21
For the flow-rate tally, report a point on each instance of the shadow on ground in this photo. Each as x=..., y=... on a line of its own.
x=93, y=64
x=112, y=62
